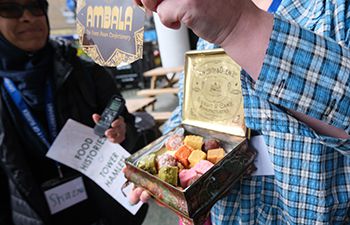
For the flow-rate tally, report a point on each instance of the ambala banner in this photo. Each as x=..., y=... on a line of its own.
x=111, y=31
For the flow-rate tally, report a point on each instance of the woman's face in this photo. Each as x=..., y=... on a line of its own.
x=28, y=32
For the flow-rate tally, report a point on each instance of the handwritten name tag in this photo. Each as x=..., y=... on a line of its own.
x=65, y=195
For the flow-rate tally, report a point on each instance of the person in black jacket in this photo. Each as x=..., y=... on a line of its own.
x=49, y=79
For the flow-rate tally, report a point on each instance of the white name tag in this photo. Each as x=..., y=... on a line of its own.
x=102, y=161
x=65, y=195
x=263, y=164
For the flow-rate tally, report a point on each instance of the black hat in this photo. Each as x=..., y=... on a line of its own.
x=44, y=4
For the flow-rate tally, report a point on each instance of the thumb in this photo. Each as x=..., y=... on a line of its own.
x=96, y=117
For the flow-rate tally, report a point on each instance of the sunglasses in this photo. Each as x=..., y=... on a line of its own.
x=14, y=10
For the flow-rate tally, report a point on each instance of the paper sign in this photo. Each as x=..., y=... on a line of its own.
x=102, y=161
x=111, y=31
x=263, y=164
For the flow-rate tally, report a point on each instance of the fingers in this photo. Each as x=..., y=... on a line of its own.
x=96, y=117
x=139, y=194
x=168, y=11
x=134, y=196
x=170, y=14
x=150, y=4
x=145, y=196
x=138, y=2
x=117, y=132
x=118, y=122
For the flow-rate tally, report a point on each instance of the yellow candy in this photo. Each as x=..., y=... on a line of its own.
x=194, y=141
x=215, y=155
x=196, y=156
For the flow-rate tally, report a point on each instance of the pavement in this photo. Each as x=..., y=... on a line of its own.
x=158, y=215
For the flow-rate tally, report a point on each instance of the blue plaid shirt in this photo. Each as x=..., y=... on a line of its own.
x=306, y=69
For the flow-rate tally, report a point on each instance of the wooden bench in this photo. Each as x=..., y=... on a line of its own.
x=161, y=72
x=160, y=117
x=139, y=104
x=154, y=92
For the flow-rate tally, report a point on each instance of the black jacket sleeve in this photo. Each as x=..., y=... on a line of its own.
x=5, y=206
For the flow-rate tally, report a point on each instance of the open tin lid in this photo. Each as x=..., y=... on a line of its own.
x=212, y=92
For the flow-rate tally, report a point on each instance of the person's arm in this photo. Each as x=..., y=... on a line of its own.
x=248, y=40
x=316, y=113
x=314, y=103
x=308, y=75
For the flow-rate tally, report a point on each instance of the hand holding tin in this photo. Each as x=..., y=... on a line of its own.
x=138, y=194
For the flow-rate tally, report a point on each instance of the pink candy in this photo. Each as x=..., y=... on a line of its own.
x=203, y=166
x=188, y=176
x=174, y=142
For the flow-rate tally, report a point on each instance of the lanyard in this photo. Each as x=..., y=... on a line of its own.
x=22, y=106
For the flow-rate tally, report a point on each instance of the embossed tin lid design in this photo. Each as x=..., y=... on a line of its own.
x=213, y=95
x=111, y=31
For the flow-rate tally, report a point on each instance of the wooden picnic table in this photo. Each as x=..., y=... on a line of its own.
x=161, y=72
x=139, y=104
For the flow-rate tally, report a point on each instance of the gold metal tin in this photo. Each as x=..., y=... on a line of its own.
x=213, y=108
x=212, y=94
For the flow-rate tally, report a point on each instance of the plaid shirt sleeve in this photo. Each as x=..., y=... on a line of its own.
x=308, y=73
